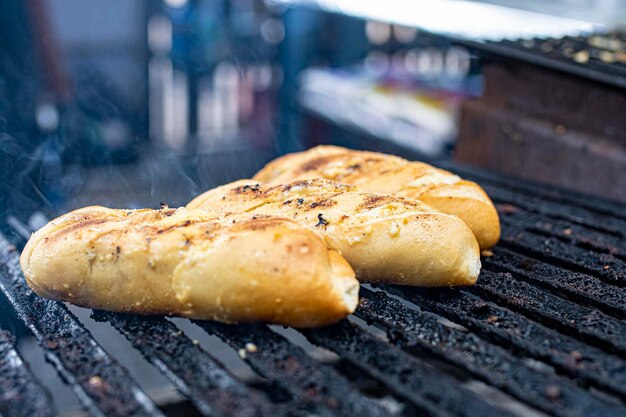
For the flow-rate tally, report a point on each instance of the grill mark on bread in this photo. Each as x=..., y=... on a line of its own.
x=150, y=216
x=319, y=164
x=355, y=165
x=264, y=195
x=210, y=226
x=416, y=192
x=295, y=184
x=376, y=200
x=323, y=202
x=314, y=185
x=244, y=189
x=158, y=229
x=381, y=168
x=166, y=211
x=316, y=163
x=72, y=227
x=259, y=222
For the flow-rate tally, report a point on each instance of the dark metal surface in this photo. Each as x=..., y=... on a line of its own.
x=21, y=394
x=422, y=332
x=504, y=327
x=602, y=265
x=611, y=225
x=275, y=358
x=196, y=374
x=100, y=383
x=564, y=199
x=590, y=325
x=581, y=288
x=434, y=392
x=532, y=52
x=572, y=234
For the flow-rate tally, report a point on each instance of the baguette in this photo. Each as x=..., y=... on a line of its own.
x=188, y=263
x=384, y=238
x=380, y=173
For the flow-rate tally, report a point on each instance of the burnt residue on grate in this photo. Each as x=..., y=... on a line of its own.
x=500, y=325
x=421, y=332
x=432, y=391
x=197, y=375
x=588, y=324
x=552, y=250
x=100, y=383
x=21, y=394
x=555, y=196
x=578, y=287
x=610, y=224
x=572, y=234
x=276, y=359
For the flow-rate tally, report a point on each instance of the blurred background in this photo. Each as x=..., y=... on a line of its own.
x=130, y=103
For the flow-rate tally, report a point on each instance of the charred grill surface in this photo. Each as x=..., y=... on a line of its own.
x=544, y=325
x=431, y=390
x=272, y=356
x=578, y=287
x=502, y=326
x=422, y=333
x=605, y=266
x=589, y=324
x=197, y=375
x=21, y=394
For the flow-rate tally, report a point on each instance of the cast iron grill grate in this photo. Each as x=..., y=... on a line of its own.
x=544, y=328
x=596, y=56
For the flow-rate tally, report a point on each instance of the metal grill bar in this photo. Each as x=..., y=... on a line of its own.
x=604, y=266
x=545, y=192
x=432, y=391
x=198, y=376
x=572, y=214
x=278, y=360
x=590, y=325
x=511, y=330
x=21, y=394
x=422, y=331
x=582, y=288
x=580, y=236
x=101, y=384
x=594, y=69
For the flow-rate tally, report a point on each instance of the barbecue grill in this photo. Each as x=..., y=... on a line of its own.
x=597, y=56
x=542, y=333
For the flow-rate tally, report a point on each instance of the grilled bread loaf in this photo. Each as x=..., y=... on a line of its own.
x=188, y=263
x=389, y=174
x=383, y=237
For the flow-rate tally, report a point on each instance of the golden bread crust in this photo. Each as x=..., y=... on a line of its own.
x=191, y=263
x=384, y=237
x=387, y=174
